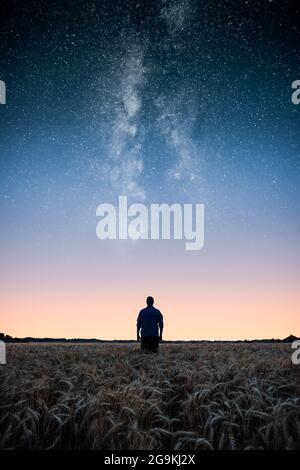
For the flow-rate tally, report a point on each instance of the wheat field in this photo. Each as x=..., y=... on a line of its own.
x=115, y=397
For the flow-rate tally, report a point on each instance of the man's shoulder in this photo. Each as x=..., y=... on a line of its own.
x=151, y=309
x=158, y=312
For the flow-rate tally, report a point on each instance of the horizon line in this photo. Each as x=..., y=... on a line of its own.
x=132, y=340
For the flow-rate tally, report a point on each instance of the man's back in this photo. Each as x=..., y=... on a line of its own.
x=148, y=320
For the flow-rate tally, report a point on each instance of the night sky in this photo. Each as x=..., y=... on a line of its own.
x=162, y=101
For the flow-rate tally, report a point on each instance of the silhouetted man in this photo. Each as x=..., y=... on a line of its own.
x=149, y=321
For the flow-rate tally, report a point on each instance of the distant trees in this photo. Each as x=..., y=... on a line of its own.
x=7, y=338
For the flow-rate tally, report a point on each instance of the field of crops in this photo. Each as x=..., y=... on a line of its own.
x=113, y=396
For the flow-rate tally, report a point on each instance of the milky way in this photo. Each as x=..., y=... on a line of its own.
x=164, y=96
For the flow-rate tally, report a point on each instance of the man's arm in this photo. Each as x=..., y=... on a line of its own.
x=138, y=326
x=161, y=326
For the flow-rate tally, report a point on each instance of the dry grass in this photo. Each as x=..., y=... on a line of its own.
x=225, y=396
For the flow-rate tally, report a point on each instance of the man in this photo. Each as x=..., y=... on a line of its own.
x=148, y=322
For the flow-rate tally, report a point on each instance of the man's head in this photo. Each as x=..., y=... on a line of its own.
x=150, y=301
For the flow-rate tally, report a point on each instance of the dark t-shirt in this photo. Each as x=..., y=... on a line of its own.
x=149, y=320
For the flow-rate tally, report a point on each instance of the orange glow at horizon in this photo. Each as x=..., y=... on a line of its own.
x=248, y=292
x=106, y=315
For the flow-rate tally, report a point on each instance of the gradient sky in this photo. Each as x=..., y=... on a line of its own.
x=162, y=101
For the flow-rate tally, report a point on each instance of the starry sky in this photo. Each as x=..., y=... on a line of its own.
x=162, y=101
